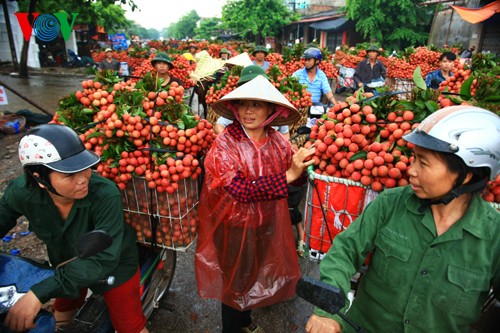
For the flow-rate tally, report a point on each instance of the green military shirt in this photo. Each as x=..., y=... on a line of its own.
x=416, y=281
x=101, y=209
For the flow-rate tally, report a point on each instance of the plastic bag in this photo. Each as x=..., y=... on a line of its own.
x=245, y=253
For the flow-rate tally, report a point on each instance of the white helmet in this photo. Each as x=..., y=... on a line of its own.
x=57, y=147
x=470, y=132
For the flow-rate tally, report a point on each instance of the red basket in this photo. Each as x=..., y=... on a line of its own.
x=342, y=200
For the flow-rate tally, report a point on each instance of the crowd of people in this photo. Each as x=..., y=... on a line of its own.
x=434, y=252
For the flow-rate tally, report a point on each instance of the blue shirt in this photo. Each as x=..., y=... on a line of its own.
x=264, y=66
x=435, y=75
x=317, y=87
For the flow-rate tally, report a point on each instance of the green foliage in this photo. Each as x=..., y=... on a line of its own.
x=208, y=28
x=395, y=24
x=72, y=113
x=111, y=17
x=185, y=27
x=137, y=30
x=259, y=17
x=424, y=101
x=293, y=53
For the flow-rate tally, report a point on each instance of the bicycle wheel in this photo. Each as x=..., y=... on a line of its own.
x=158, y=281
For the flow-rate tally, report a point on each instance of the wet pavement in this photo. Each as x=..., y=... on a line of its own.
x=192, y=314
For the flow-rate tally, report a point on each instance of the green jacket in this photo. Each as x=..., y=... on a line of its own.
x=416, y=281
x=100, y=210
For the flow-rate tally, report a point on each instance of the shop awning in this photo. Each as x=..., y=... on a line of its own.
x=476, y=15
x=332, y=25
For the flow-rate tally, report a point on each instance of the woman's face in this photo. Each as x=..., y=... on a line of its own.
x=71, y=185
x=430, y=177
x=253, y=113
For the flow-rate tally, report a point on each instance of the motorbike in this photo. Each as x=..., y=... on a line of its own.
x=18, y=274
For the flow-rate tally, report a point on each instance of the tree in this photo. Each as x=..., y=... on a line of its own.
x=186, y=25
x=208, y=28
x=394, y=24
x=138, y=30
x=111, y=17
x=89, y=11
x=170, y=31
x=259, y=17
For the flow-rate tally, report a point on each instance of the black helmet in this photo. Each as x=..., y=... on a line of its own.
x=57, y=147
x=312, y=52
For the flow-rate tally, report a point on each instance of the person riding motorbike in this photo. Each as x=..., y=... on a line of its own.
x=436, y=254
x=62, y=200
x=313, y=77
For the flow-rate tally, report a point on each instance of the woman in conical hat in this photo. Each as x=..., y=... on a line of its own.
x=244, y=232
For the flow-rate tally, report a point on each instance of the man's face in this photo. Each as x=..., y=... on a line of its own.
x=373, y=54
x=446, y=64
x=310, y=63
x=260, y=56
x=162, y=67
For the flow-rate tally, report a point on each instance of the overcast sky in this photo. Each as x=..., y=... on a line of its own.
x=160, y=14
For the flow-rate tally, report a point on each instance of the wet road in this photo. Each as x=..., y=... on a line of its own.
x=186, y=311
x=44, y=91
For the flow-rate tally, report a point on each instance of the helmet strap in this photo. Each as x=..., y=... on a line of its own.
x=454, y=193
x=45, y=183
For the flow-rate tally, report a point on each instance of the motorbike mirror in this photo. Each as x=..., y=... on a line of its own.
x=302, y=130
x=92, y=243
x=320, y=294
x=324, y=296
x=89, y=245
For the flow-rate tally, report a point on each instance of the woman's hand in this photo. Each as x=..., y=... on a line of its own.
x=22, y=315
x=298, y=164
x=317, y=324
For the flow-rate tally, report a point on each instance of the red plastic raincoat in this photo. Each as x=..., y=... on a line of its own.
x=245, y=253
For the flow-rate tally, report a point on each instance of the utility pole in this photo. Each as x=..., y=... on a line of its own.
x=10, y=36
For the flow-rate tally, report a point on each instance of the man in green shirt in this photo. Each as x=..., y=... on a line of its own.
x=63, y=200
x=435, y=244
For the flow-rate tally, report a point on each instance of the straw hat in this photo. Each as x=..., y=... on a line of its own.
x=242, y=59
x=258, y=89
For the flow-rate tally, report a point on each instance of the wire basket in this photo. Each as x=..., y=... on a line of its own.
x=332, y=204
x=405, y=85
x=165, y=219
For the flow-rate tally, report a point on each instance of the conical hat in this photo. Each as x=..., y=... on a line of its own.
x=242, y=59
x=258, y=89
